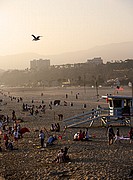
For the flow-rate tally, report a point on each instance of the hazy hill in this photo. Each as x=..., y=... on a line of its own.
x=115, y=51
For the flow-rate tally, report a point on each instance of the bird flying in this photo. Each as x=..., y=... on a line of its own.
x=35, y=38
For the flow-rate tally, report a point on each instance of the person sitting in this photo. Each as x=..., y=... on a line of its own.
x=36, y=111
x=10, y=145
x=57, y=127
x=76, y=135
x=50, y=106
x=60, y=156
x=52, y=128
x=65, y=103
x=51, y=139
x=87, y=134
x=80, y=137
x=6, y=139
x=117, y=136
x=83, y=134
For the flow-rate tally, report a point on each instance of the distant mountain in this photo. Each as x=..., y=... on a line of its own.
x=114, y=51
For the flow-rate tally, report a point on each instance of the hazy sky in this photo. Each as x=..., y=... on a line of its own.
x=66, y=25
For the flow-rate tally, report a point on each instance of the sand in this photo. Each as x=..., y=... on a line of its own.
x=88, y=160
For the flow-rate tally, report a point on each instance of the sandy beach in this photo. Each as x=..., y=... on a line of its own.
x=89, y=160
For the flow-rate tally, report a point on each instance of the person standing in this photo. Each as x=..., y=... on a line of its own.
x=42, y=136
x=13, y=115
x=111, y=135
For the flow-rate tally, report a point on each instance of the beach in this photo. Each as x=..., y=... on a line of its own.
x=93, y=159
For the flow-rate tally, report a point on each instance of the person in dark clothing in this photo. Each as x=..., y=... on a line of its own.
x=111, y=135
x=57, y=127
x=65, y=154
x=13, y=115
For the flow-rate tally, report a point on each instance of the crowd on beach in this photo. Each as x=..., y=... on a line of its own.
x=11, y=129
x=15, y=133
x=11, y=133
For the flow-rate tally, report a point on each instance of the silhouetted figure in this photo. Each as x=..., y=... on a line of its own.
x=13, y=115
x=60, y=116
x=71, y=104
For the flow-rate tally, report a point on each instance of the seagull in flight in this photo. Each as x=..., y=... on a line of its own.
x=35, y=38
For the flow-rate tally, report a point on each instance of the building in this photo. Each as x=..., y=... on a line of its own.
x=95, y=61
x=39, y=64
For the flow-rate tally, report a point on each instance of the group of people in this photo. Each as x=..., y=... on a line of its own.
x=55, y=127
x=81, y=135
x=10, y=135
x=112, y=137
x=50, y=140
x=34, y=110
x=62, y=156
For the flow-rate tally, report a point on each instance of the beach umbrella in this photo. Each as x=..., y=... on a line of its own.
x=24, y=130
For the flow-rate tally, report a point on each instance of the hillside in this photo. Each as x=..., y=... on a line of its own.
x=115, y=51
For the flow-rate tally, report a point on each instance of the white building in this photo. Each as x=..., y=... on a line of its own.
x=96, y=61
x=39, y=64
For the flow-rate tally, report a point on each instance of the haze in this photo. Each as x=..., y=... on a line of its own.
x=66, y=25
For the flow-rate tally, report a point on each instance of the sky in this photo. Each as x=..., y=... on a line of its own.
x=66, y=25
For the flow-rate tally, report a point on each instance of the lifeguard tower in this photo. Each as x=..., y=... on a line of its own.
x=119, y=112
x=119, y=105
x=120, y=109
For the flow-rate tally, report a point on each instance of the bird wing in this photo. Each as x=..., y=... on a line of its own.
x=38, y=37
x=33, y=36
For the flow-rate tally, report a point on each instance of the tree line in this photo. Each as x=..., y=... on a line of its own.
x=83, y=74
